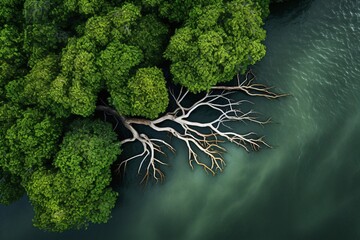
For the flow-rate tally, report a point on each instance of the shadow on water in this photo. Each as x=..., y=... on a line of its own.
x=289, y=8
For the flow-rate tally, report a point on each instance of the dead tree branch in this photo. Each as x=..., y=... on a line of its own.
x=199, y=137
x=252, y=89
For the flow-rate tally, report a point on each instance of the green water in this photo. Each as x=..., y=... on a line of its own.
x=306, y=187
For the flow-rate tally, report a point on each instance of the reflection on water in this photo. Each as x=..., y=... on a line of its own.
x=306, y=187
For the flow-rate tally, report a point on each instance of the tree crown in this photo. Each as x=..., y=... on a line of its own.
x=61, y=59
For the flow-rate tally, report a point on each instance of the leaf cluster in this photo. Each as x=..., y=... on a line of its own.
x=75, y=192
x=216, y=42
x=59, y=59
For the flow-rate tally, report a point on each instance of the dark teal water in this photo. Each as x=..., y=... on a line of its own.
x=306, y=187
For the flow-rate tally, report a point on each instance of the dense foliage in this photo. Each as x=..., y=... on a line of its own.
x=216, y=42
x=75, y=191
x=60, y=58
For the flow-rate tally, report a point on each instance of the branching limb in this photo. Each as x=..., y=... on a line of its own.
x=252, y=89
x=201, y=138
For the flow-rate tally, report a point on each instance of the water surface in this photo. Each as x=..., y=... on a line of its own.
x=306, y=187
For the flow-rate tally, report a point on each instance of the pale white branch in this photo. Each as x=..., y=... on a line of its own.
x=200, y=138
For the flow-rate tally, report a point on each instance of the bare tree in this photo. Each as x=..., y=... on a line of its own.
x=199, y=137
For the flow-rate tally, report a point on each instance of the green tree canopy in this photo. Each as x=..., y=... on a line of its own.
x=11, y=55
x=28, y=140
x=60, y=60
x=75, y=192
x=216, y=42
x=11, y=11
x=178, y=10
x=10, y=188
x=79, y=81
x=148, y=93
x=34, y=88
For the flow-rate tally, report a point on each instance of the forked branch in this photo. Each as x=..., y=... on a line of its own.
x=201, y=138
x=252, y=89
